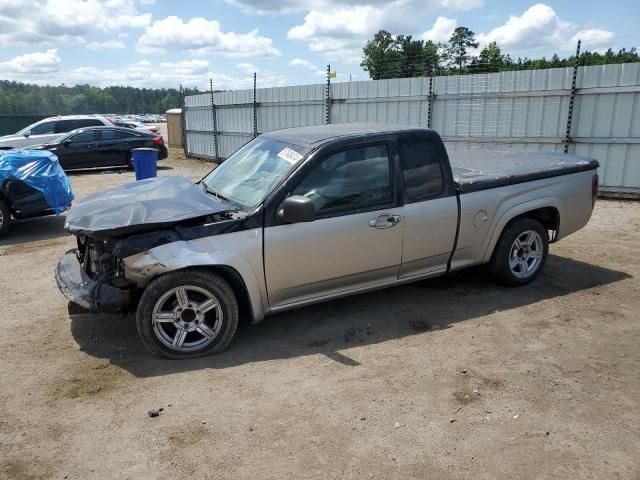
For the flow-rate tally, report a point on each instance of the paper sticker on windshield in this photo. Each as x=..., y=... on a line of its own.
x=290, y=156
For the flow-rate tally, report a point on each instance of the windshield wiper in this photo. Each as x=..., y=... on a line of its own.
x=216, y=194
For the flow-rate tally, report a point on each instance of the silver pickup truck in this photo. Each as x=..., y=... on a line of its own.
x=309, y=214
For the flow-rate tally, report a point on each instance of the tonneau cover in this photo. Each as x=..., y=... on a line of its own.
x=136, y=206
x=480, y=168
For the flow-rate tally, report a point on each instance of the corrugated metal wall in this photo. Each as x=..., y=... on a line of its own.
x=524, y=109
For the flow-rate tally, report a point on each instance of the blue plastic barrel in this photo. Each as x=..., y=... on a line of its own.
x=145, y=162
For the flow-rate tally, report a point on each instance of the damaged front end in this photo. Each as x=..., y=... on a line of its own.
x=117, y=223
x=93, y=278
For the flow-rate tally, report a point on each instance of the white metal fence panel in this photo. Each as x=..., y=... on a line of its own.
x=607, y=122
x=523, y=110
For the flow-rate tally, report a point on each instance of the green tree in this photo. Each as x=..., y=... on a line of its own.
x=389, y=56
x=460, y=42
x=489, y=60
x=381, y=57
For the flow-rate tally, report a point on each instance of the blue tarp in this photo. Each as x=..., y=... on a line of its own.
x=40, y=170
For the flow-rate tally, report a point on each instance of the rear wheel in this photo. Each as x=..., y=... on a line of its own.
x=5, y=218
x=130, y=161
x=186, y=314
x=520, y=253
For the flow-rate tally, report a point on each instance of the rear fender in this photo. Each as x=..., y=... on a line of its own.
x=516, y=211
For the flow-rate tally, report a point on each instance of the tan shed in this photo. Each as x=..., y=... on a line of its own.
x=174, y=127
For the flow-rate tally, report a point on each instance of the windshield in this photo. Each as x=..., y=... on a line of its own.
x=249, y=175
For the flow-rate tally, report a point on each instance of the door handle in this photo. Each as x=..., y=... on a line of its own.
x=384, y=220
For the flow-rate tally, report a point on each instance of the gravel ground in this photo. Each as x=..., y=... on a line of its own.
x=447, y=378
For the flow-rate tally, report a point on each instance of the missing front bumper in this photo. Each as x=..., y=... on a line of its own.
x=79, y=288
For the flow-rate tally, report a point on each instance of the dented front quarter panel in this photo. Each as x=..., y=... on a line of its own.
x=241, y=251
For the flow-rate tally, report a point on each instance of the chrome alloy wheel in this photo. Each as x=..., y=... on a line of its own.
x=1, y=218
x=526, y=254
x=187, y=318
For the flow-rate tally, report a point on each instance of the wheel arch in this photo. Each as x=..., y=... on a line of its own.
x=547, y=211
x=233, y=268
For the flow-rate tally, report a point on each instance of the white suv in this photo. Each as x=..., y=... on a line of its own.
x=46, y=130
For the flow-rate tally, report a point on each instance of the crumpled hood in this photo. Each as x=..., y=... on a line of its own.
x=136, y=206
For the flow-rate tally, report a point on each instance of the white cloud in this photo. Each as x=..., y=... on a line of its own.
x=594, y=38
x=540, y=28
x=441, y=30
x=248, y=68
x=37, y=63
x=106, y=45
x=291, y=6
x=38, y=69
x=300, y=62
x=462, y=5
x=186, y=67
x=200, y=36
x=31, y=22
x=339, y=30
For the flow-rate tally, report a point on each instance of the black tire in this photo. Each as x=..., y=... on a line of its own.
x=130, y=161
x=152, y=334
x=5, y=218
x=503, y=255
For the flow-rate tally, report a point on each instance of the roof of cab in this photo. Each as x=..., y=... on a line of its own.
x=315, y=135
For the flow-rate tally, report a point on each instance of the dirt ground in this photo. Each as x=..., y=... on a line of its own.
x=448, y=378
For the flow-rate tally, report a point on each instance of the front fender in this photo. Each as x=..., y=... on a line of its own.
x=143, y=267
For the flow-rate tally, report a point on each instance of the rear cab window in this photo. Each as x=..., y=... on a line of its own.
x=421, y=169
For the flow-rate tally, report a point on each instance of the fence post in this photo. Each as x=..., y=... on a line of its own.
x=213, y=120
x=430, y=98
x=183, y=121
x=327, y=118
x=255, y=108
x=572, y=97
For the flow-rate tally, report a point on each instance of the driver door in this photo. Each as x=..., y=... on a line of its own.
x=355, y=241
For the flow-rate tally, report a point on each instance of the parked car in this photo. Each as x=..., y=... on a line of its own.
x=310, y=214
x=50, y=128
x=102, y=147
x=136, y=126
x=32, y=184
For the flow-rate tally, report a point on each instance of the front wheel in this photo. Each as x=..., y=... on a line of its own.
x=5, y=218
x=186, y=314
x=520, y=253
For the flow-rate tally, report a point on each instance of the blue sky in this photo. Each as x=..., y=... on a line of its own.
x=163, y=43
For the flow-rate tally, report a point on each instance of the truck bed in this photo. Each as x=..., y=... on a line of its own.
x=481, y=168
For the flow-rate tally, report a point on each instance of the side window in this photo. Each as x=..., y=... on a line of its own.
x=43, y=129
x=64, y=126
x=352, y=179
x=123, y=134
x=421, y=169
x=109, y=134
x=83, y=137
x=89, y=122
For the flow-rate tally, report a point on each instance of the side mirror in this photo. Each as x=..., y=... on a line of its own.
x=66, y=143
x=296, y=209
x=27, y=133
